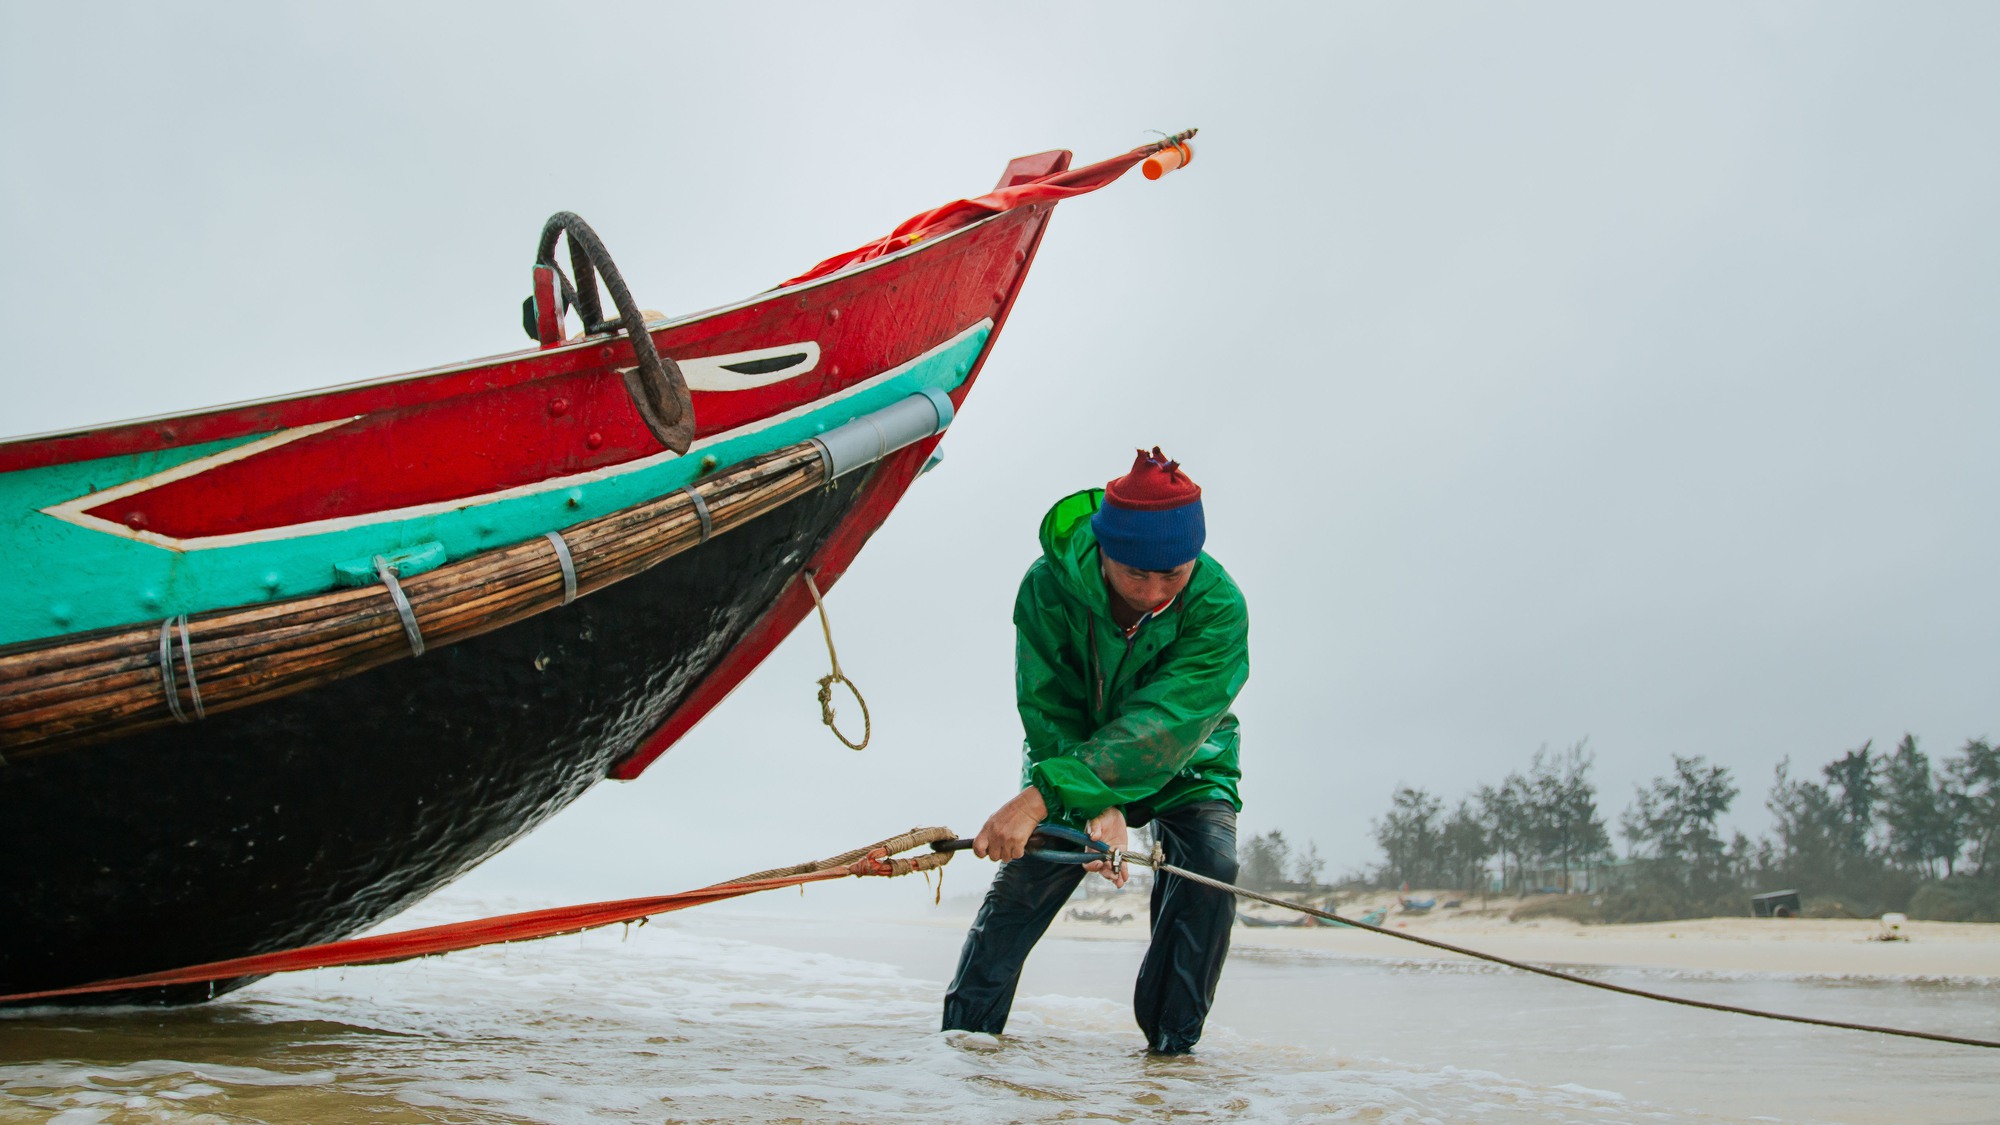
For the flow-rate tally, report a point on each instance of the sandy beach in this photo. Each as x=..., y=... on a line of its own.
x=1802, y=946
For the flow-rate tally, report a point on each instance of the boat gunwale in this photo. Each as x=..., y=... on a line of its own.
x=517, y=356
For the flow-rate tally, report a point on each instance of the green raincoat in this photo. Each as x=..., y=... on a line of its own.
x=1142, y=724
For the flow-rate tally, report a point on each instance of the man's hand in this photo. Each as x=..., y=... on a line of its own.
x=1005, y=835
x=1109, y=826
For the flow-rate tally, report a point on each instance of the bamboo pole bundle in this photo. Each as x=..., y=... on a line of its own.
x=110, y=683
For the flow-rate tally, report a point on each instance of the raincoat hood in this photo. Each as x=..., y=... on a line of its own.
x=1136, y=721
x=1070, y=548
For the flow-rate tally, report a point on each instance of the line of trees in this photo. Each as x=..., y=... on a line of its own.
x=1533, y=823
x=1873, y=832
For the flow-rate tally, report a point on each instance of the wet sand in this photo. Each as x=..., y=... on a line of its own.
x=824, y=1007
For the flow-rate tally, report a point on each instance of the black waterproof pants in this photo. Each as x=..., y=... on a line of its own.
x=1190, y=932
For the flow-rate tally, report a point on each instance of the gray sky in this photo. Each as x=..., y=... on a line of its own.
x=1553, y=371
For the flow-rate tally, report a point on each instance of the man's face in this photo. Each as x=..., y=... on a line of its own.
x=1142, y=590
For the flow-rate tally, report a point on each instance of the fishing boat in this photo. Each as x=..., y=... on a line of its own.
x=1256, y=922
x=271, y=672
x=1106, y=916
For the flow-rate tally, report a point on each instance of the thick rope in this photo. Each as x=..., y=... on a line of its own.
x=827, y=681
x=1156, y=862
x=529, y=926
x=876, y=853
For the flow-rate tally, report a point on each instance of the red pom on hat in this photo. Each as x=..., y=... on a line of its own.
x=1155, y=484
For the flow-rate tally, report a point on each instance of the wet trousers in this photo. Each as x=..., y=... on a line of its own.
x=1190, y=932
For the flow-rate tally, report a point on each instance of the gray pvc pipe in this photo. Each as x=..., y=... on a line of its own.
x=871, y=437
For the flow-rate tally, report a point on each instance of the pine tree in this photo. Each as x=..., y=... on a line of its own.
x=1503, y=810
x=1309, y=865
x=1675, y=819
x=1919, y=813
x=1975, y=789
x=1854, y=782
x=1809, y=830
x=1563, y=819
x=1465, y=845
x=1263, y=861
x=1409, y=837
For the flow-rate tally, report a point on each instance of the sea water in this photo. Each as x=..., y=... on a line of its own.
x=778, y=1012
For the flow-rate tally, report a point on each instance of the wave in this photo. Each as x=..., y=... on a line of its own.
x=681, y=1021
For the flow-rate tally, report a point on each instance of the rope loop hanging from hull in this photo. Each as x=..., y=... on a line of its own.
x=836, y=676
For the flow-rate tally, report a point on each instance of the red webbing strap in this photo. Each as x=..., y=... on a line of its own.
x=959, y=212
x=449, y=938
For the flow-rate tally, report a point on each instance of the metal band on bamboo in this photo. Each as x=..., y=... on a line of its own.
x=387, y=574
x=171, y=689
x=187, y=658
x=568, y=566
x=701, y=513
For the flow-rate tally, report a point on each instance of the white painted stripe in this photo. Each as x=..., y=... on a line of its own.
x=73, y=513
x=711, y=372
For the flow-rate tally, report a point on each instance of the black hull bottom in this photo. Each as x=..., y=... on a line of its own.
x=313, y=817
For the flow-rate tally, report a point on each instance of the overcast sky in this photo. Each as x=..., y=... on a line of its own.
x=1552, y=371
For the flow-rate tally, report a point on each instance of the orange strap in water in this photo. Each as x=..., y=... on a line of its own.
x=433, y=940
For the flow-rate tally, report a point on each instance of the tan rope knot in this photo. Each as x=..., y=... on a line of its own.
x=878, y=862
x=871, y=860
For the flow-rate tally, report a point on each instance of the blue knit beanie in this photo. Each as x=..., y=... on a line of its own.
x=1151, y=517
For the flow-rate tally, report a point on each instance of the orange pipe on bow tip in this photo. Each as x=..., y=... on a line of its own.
x=1176, y=154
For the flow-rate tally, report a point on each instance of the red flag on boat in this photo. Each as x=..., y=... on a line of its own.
x=959, y=212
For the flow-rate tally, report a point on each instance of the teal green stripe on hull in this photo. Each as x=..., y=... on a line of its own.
x=58, y=578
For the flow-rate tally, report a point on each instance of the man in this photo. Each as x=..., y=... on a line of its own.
x=1130, y=645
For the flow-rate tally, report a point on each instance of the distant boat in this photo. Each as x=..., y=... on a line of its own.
x=1418, y=905
x=1372, y=918
x=1078, y=914
x=271, y=672
x=1256, y=923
